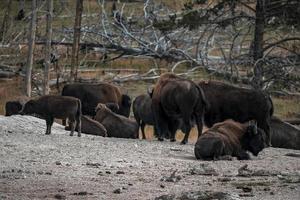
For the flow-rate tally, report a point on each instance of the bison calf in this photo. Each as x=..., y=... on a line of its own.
x=116, y=125
x=50, y=107
x=90, y=126
x=230, y=138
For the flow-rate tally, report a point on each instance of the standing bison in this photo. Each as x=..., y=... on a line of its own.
x=230, y=138
x=92, y=94
x=50, y=107
x=116, y=125
x=173, y=99
x=142, y=112
x=239, y=104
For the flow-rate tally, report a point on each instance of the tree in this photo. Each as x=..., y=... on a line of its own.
x=48, y=47
x=31, y=43
x=76, y=40
x=6, y=20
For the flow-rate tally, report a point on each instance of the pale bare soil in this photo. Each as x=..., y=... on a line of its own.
x=38, y=166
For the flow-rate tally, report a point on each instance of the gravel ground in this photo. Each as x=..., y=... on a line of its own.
x=38, y=166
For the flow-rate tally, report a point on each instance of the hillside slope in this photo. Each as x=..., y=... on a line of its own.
x=35, y=165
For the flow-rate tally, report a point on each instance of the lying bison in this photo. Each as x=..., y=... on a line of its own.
x=15, y=106
x=116, y=125
x=92, y=94
x=50, y=107
x=230, y=138
x=239, y=104
x=173, y=99
x=90, y=126
x=284, y=135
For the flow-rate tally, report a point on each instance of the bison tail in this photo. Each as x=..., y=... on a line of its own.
x=203, y=98
x=272, y=106
x=79, y=111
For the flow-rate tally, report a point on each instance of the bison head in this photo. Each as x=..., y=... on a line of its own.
x=125, y=107
x=254, y=139
x=12, y=108
x=29, y=108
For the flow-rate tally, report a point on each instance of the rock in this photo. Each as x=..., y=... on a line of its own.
x=108, y=172
x=118, y=191
x=224, y=179
x=82, y=193
x=171, y=178
x=58, y=163
x=166, y=197
x=120, y=172
x=207, y=195
x=295, y=155
x=59, y=196
x=100, y=173
x=203, y=169
x=48, y=173
x=246, y=189
x=96, y=165
x=245, y=172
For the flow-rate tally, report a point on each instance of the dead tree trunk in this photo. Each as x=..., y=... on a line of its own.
x=76, y=40
x=31, y=42
x=258, y=43
x=48, y=47
x=6, y=21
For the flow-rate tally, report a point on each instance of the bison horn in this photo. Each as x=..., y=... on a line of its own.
x=150, y=90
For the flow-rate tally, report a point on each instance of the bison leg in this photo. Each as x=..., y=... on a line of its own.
x=64, y=122
x=49, y=122
x=72, y=125
x=173, y=126
x=143, y=129
x=199, y=122
x=78, y=125
x=186, y=130
x=161, y=123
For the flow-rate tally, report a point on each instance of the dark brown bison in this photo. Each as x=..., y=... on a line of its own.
x=50, y=107
x=173, y=99
x=116, y=125
x=240, y=104
x=90, y=126
x=230, y=138
x=15, y=106
x=92, y=94
x=284, y=135
x=142, y=112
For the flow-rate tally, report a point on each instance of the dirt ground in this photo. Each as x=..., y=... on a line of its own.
x=38, y=166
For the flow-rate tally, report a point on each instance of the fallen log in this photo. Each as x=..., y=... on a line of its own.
x=7, y=74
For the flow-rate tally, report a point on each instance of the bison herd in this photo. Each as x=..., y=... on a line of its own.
x=239, y=119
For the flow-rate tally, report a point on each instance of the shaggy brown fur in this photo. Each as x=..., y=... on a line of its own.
x=230, y=138
x=90, y=126
x=50, y=107
x=116, y=125
x=240, y=104
x=92, y=94
x=174, y=99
